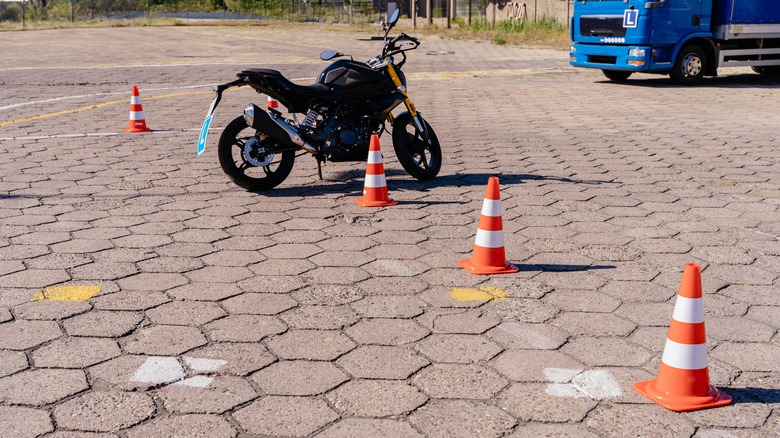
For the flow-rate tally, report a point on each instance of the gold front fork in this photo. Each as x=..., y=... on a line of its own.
x=397, y=81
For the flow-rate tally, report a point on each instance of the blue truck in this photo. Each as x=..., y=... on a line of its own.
x=686, y=39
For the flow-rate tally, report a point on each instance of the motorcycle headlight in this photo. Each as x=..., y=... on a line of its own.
x=639, y=53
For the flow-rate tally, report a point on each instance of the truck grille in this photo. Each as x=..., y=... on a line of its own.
x=602, y=26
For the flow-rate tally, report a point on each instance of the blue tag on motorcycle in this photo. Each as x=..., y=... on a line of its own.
x=204, y=131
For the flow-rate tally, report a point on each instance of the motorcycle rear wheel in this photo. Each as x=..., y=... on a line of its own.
x=420, y=158
x=249, y=162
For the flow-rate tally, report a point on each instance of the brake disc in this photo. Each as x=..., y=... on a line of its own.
x=256, y=155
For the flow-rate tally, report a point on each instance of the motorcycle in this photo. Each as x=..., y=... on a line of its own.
x=349, y=102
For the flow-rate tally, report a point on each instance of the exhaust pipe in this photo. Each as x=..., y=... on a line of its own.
x=270, y=124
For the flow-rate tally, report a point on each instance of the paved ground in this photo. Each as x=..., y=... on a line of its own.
x=220, y=312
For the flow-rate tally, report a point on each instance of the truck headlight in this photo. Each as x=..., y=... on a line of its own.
x=640, y=53
x=572, y=50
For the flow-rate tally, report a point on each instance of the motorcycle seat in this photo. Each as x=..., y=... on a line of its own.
x=269, y=77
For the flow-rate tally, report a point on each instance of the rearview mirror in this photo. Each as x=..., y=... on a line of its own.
x=394, y=17
x=329, y=54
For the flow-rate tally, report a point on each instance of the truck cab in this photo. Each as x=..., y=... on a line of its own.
x=686, y=39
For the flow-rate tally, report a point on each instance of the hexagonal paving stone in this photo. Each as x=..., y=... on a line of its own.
x=204, y=291
x=185, y=313
x=365, y=427
x=380, y=362
x=219, y=274
x=382, y=331
x=208, y=425
x=390, y=306
x=327, y=294
x=637, y=420
x=244, y=328
x=24, y=422
x=459, y=381
x=152, y=282
x=606, y=352
x=320, y=317
x=470, y=322
x=101, y=323
x=164, y=340
x=310, y=344
x=525, y=336
x=299, y=378
x=22, y=335
x=523, y=365
x=445, y=348
x=242, y=358
x=286, y=416
x=72, y=352
x=532, y=402
x=11, y=362
x=259, y=304
x=45, y=310
x=220, y=394
x=42, y=386
x=461, y=418
x=104, y=411
x=376, y=398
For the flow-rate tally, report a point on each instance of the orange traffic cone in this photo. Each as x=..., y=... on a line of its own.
x=683, y=382
x=137, y=122
x=375, y=187
x=272, y=103
x=488, y=256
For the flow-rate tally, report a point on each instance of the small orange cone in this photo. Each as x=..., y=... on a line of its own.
x=137, y=122
x=375, y=186
x=683, y=382
x=488, y=256
x=272, y=103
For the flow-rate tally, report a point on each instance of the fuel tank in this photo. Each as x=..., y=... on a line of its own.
x=355, y=83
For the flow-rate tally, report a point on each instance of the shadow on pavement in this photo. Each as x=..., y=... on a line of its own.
x=746, y=80
x=753, y=395
x=560, y=268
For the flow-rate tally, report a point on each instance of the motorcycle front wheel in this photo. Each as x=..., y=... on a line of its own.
x=419, y=153
x=251, y=160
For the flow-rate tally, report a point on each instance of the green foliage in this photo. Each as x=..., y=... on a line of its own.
x=10, y=12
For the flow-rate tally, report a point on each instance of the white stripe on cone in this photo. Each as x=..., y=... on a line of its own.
x=689, y=310
x=491, y=207
x=489, y=239
x=136, y=115
x=135, y=100
x=374, y=157
x=685, y=356
x=375, y=181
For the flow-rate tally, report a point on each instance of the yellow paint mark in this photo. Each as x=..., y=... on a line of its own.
x=67, y=293
x=99, y=105
x=484, y=293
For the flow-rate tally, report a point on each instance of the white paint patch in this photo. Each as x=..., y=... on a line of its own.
x=159, y=371
x=596, y=384
x=536, y=340
x=196, y=382
x=560, y=375
x=199, y=365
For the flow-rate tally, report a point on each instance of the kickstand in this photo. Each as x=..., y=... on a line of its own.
x=319, y=167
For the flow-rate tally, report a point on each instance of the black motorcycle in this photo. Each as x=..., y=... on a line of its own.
x=349, y=102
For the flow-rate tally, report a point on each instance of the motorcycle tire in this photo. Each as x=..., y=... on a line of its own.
x=420, y=158
x=259, y=171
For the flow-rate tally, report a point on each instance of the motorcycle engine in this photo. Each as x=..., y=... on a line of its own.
x=342, y=138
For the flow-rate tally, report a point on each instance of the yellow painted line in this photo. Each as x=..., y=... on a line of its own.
x=484, y=293
x=439, y=76
x=67, y=293
x=165, y=64
x=99, y=105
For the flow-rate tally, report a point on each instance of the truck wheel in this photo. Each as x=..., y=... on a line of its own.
x=690, y=66
x=616, y=75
